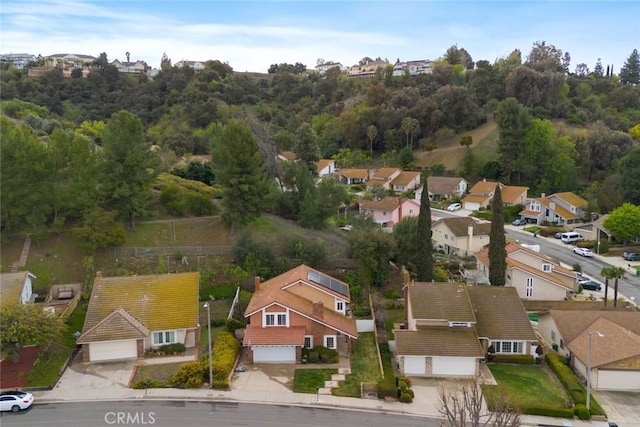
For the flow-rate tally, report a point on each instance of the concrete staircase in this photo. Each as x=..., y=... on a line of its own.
x=334, y=382
x=16, y=265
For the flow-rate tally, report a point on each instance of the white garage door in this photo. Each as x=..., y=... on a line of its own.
x=471, y=206
x=415, y=365
x=463, y=366
x=274, y=354
x=618, y=380
x=112, y=350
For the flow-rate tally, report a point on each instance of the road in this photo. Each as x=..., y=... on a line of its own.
x=629, y=285
x=190, y=413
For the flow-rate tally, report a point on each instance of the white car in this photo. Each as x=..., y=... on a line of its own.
x=15, y=401
x=454, y=207
x=583, y=251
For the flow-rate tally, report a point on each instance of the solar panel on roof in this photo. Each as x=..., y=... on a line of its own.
x=328, y=282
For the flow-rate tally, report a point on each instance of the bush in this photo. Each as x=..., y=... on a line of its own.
x=190, y=375
x=173, y=348
x=320, y=354
x=550, y=231
x=567, y=378
x=225, y=352
x=313, y=357
x=518, y=359
x=410, y=392
x=581, y=412
x=233, y=324
x=147, y=383
x=407, y=380
x=549, y=412
x=402, y=386
x=406, y=398
x=387, y=389
x=392, y=294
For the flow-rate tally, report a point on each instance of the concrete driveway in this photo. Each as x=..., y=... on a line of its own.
x=622, y=407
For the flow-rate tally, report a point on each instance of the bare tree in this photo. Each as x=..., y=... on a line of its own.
x=464, y=406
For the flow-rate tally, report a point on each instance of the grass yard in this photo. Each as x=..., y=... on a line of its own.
x=394, y=315
x=308, y=380
x=75, y=322
x=48, y=366
x=160, y=374
x=527, y=386
x=364, y=366
x=204, y=231
x=54, y=260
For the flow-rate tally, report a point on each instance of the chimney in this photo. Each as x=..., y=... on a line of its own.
x=405, y=296
x=318, y=309
x=399, y=208
x=99, y=274
x=543, y=195
x=470, y=231
x=256, y=283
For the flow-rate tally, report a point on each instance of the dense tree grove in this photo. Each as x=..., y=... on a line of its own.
x=557, y=130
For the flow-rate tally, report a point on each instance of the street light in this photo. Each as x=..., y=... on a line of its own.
x=601, y=335
x=206, y=305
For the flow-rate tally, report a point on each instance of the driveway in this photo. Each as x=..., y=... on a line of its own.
x=620, y=406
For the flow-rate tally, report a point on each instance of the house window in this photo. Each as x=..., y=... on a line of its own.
x=308, y=341
x=506, y=347
x=546, y=267
x=561, y=343
x=340, y=306
x=275, y=319
x=330, y=341
x=384, y=213
x=510, y=347
x=529, y=288
x=410, y=211
x=553, y=336
x=164, y=337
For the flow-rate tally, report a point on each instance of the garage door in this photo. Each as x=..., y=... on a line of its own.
x=618, y=380
x=274, y=354
x=459, y=366
x=471, y=206
x=112, y=350
x=415, y=365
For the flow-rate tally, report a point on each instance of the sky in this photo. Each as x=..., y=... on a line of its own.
x=252, y=35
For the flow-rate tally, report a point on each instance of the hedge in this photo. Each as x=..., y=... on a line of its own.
x=225, y=352
x=549, y=412
x=518, y=359
x=581, y=412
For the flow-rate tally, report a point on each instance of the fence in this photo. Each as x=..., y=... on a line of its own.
x=175, y=251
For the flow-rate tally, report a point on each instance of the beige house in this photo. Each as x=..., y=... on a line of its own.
x=534, y=275
x=560, y=208
x=462, y=236
x=615, y=344
x=16, y=288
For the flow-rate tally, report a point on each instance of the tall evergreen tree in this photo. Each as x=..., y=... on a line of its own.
x=424, y=260
x=127, y=167
x=240, y=171
x=630, y=72
x=497, y=243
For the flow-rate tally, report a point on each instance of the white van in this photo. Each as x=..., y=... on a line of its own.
x=571, y=237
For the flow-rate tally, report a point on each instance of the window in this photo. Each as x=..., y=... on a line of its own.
x=510, y=347
x=330, y=341
x=308, y=341
x=546, y=267
x=506, y=347
x=275, y=319
x=553, y=336
x=164, y=337
x=561, y=343
x=340, y=306
x=529, y=289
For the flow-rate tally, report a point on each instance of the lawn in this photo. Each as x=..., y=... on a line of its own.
x=75, y=322
x=160, y=374
x=204, y=231
x=394, y=315
x=527, y=386
x=364, y=366
x=56, y=259
x=48, y=366
x=309, y=380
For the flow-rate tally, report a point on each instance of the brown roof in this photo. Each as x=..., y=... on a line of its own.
x=384, y=173
x=500, y=313
x=545, y=306
x=274, y=291
x=571, y=199
x=438, y=341
x=276, y=335
x=323, y=163
x=119, y=325
x=354, y=173
x=159, y=302
x=459, y=226
x=289, y=155
x=484, y=187
x=442, y=184
x=564, y=213
x=405, y=178
x=388, y=204
x=617, y=343
x=475, y=198
x=572, y=323
x=11, y=285
x=511, y=193
x=442, y=301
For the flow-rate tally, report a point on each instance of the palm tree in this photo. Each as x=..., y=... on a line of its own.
x=617, y=273
x=127, y=55
x=607, y=273
x=410, y=126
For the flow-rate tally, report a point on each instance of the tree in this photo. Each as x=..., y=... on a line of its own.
x=630, y=176
x=630, y=71
x=127, y=167
x=624, y=222
x=513, y=123
x=608, y=273
x=616, y=273
x=497, y=242
x=372, y=133
x=466, y=141
x=373, y=249
x=424, y=261
x=598, y=70
x=410, y=126
x=406, y=235
x=545, y=57
x=100, y=229
x=306, y=147
x=406, y=157
x=240, y=171
x=27, y=324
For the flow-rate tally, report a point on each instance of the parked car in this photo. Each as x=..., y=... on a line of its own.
x=454, y=207
x=631, y=256
x=583, y=251
x=590, y=285
x=519, y=221
x=558, y=235
x=15, y=401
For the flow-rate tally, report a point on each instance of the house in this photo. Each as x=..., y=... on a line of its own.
x=323, y=67
x=301, y=308
x=325, y=167
x=390, y=210
x=353, y=176
x=130, y=67
x=480, y=195
x=69, y=60
x=513, y=195
x=366, y=70
x=462, y=236
x=18, y=60
x=196, y=65
x=16, y=288
x=615, y=344
x=560, y=208
x=286, y=156
x=449, y=327
x=533, y=274
x=405, y=181
x=444, y=188
x=129, y=315
x=382, y=177
x=412, y=68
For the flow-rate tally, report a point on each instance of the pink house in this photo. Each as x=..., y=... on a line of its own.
x=390, y=210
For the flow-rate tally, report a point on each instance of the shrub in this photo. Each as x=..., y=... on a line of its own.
x=518, y=359
x=581, y=412
x=190, y=375
x=313, y=357
x=233, y=324
x=406, y=398
x=407, y=380
x=410, y=392
x=567, y=378
x=392, y=294
x=320, y=354
x=221, y=384
x=147, y=383
x=387, y=389
x=549, y=412
x=225, y=352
